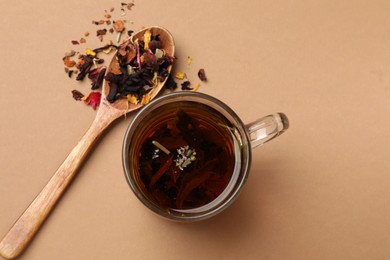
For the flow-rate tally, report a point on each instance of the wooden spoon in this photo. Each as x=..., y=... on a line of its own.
x=21, y=233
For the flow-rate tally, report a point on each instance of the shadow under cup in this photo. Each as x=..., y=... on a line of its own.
x=186, y=155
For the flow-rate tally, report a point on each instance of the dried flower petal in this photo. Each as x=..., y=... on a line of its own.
x=180, y=75
x=75, y=42
x=90, y=52
x=82, y=40
x=202, y=75
x=147, y=38
x=68, y=62
x=132, y=99
x=93, y=99
x=196, y=87
x=119, y=25
x=145, y=99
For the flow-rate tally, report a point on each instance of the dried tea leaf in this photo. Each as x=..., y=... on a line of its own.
x=186, y=85
x=101, y=32
x=97, y=77
x=189, y=184
x=77, y=95
x=159, y=53
x=84, y=65
x=202, y=75
x=170, y=83
x=161, y=171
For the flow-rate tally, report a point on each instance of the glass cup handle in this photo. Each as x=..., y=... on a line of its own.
x=266, y=128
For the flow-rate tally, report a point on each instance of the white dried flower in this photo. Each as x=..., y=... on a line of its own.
x=185, y=156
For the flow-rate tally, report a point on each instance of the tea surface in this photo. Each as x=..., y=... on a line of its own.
x=185, y=155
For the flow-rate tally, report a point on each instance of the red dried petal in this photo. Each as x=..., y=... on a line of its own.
x=93, y=99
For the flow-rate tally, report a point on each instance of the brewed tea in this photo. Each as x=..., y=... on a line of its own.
x=185, y=155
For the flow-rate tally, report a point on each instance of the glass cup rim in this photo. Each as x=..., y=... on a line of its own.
x=169, y=98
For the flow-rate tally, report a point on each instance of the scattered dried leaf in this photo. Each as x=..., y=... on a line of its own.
x=202, y=75
x=77, y=95
x=96, y=76
x=170, y=83
x=186, y=85
x=119, y=25
x=90, y=52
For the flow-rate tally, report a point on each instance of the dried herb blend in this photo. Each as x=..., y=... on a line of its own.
x=142, y=64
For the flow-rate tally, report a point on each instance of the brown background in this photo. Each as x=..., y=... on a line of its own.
x=321, y=191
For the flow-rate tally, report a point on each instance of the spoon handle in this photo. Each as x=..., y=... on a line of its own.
x=21, y=233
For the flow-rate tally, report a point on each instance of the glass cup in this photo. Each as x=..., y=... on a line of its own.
x=207, y=155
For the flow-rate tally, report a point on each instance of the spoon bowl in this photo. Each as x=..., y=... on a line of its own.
x=24, y=229
x=167, y=44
